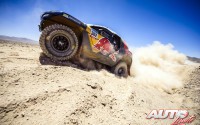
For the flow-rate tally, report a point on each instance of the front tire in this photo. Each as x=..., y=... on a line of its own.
x=58, y=42
x=121, y=69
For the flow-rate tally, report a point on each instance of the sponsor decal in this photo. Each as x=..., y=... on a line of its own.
x=181, y=116
x=113, y=56
x=106, y=48
x=94, y=34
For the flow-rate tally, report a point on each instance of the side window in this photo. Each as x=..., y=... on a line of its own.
x=116, y=42
x=104, y=33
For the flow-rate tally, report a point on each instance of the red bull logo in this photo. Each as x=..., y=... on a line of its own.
x=104, y=46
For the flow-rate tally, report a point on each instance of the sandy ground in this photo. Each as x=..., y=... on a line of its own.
x=35, y=94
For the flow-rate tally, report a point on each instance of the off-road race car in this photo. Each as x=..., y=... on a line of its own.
x=65, y=38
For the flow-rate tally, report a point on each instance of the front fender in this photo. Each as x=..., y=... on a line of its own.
x=50, y=17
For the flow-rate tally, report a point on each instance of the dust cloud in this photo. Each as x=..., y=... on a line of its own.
x=158, y=65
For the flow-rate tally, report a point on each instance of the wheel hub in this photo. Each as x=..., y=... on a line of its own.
x=60, y=43
x=121, y=71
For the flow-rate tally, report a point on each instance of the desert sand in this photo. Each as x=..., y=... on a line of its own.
x=35, y=94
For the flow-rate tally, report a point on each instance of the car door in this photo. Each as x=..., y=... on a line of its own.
x=104, y=48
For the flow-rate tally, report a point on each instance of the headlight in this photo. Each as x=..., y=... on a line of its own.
x=44, y=15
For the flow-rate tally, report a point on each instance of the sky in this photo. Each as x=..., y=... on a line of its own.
x=138, y=22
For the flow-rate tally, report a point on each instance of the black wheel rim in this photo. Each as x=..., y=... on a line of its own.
x=121, y=71
x=60, y=43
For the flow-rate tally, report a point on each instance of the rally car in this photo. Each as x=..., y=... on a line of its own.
x=66, y=38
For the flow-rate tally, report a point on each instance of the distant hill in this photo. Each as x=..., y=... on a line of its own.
x=17, y=39
x=194, y=59
x=26, y=40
